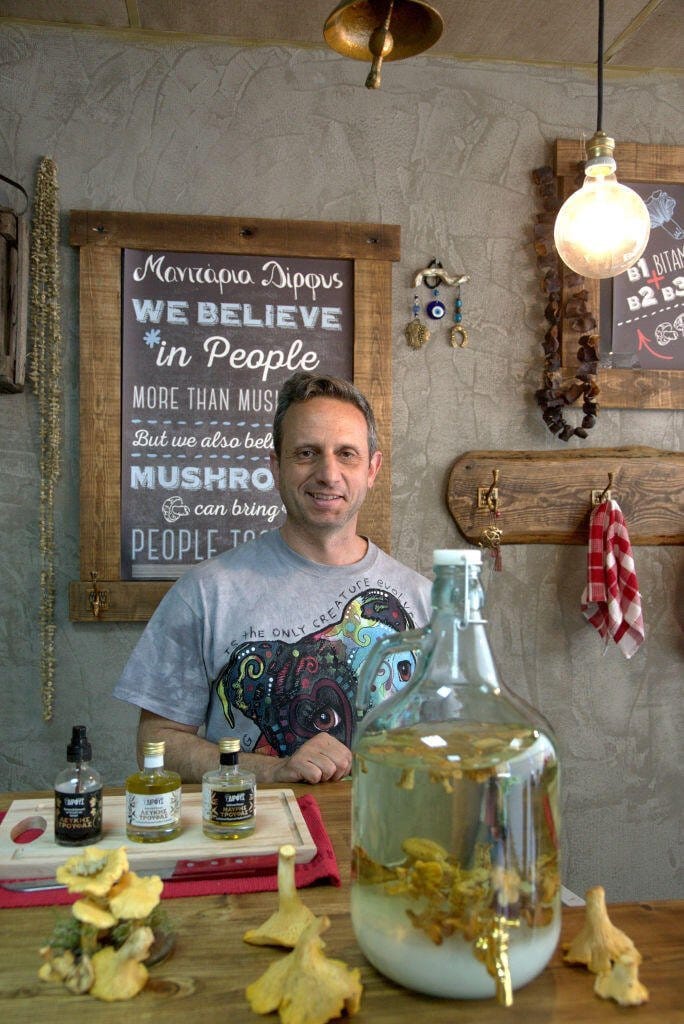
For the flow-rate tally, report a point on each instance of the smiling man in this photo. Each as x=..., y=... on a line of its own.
x=265, y=642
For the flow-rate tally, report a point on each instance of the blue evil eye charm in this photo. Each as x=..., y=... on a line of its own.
x=436, y=310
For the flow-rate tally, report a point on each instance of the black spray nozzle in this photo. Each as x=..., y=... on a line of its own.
x=79, y=749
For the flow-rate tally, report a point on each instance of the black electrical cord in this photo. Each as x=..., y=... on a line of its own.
x=599, y=68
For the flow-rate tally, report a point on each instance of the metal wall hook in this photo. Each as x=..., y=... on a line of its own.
x=97, y=598
x=488, y=497
x=598, y=495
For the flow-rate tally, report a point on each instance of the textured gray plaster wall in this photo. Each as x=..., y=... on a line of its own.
x=445, y=150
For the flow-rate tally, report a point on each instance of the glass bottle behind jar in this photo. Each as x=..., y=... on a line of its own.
x=78, y=795
x=455, y=871
x=228, y=796
x=153, y=799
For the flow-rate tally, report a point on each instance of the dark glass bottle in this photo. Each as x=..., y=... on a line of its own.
x=228, y=796
x=455, y=883
x=78, y=795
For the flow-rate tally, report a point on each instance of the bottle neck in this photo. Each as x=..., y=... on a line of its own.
x=457, y=591
x=153, y=761
x=228, y=761
x=461, y=647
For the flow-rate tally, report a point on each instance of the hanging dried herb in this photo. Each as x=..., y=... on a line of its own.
x=46, y=375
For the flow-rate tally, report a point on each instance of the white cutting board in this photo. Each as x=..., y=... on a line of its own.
x=278, y=820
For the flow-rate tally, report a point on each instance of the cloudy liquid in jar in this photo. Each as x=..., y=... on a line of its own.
x=454, y=827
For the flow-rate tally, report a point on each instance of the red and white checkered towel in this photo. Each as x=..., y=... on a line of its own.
x=611, y=600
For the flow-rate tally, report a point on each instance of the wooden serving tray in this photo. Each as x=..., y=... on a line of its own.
x=278, y=820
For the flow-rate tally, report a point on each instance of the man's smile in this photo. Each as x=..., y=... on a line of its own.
x=319, y=496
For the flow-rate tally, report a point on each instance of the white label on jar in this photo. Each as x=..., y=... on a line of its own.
x=153, y=808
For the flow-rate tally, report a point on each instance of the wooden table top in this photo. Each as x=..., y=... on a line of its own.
x=204, y=980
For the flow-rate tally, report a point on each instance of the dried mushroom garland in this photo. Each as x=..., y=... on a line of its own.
x=556, y=394
x=46, y=374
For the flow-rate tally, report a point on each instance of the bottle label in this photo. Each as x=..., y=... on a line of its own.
x=153, y=808
x=224, y=806
x=78, y=816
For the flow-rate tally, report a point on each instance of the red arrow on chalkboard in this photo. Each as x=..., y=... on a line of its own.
x=645, y=342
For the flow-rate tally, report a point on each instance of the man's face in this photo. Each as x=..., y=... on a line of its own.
x=324, y=471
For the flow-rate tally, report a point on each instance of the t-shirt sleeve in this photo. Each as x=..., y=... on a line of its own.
x=166, y=673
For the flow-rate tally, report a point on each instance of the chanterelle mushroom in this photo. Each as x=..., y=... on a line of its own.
x=90, y=912
x=622, y=983
x=118, y=972
x=599, y=943
x=133, y=898
x=284, y=927
x=94, y=871
x=76, y=973
x=306, y=987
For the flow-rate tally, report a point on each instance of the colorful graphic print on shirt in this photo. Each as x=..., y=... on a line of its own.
x=292, y=691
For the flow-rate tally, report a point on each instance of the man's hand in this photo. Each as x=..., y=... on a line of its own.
x=320, y=759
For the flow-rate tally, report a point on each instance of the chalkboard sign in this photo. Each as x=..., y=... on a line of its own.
x=188, y=328
x=207, y=342
x=648, y=299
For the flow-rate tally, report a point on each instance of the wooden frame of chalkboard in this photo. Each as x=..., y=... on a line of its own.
x=101, y=593
x=620, y=388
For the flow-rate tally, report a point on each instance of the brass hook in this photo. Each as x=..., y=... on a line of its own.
x=98, y=599
x=488, y=497
x=598, y=495
x=95, y=596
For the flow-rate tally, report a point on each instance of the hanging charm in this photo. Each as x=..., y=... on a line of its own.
x=458, y=331
x=416, y=332
x=432, y=277
x=490, y=540
x=436, y=309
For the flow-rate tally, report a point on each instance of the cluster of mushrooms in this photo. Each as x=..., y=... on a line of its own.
x=306, y=986
x=101, y=948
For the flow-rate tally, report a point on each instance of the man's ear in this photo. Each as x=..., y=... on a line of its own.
x=374, y=467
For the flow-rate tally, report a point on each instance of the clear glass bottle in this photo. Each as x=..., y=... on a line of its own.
x=78, y=795
x=228, y=796
x=455, y=869
x=153, y=799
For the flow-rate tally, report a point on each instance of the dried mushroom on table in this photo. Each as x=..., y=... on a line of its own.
x=608, y=953
x=306, y=986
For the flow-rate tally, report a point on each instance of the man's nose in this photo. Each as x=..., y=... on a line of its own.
x=327, y=467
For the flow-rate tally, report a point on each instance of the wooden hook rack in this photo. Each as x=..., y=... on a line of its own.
x=545, y=497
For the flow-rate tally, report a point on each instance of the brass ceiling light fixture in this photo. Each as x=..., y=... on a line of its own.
x=602, y=229
x=379, y=30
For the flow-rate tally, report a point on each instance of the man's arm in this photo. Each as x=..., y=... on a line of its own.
x=320, y=759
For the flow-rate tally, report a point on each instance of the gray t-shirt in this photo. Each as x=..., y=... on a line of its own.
x=263, y=644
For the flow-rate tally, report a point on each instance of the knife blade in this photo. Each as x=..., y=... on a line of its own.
x=183, y=871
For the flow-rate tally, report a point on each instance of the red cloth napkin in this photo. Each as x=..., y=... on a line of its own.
x=321, y=870
x=611, y=600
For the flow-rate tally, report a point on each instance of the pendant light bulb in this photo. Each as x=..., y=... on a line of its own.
x=602, y=229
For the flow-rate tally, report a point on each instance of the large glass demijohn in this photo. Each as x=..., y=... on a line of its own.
x=455, y=871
